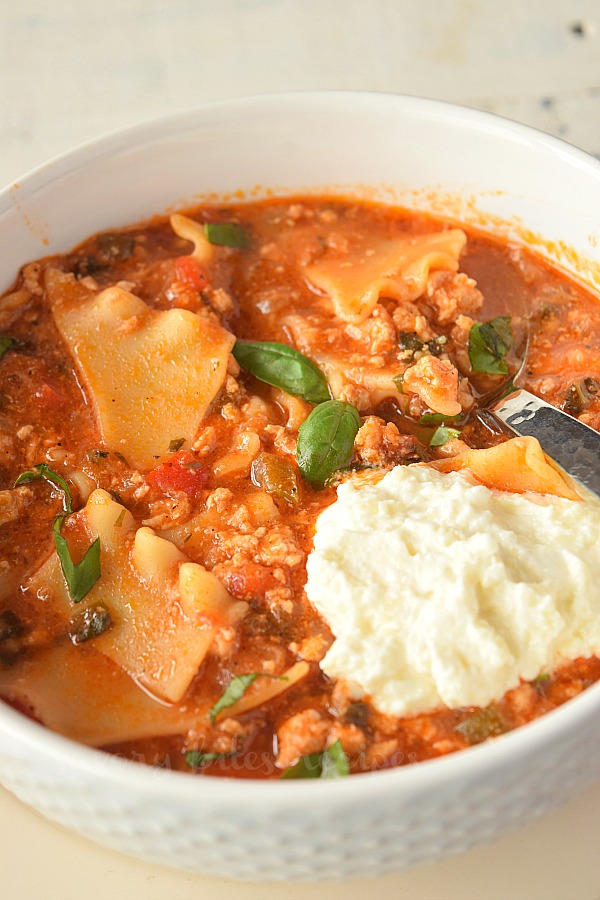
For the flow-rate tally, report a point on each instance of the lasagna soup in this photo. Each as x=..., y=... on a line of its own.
x=181, y=403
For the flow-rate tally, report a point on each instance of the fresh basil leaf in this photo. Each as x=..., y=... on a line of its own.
x=176, y=444
x=335, y=761
x=437, y=418
x=482, y=724
x=196, y=759
x=489, y=342
x=310, y=766
x=90, y=624
x=42, y=472
x=442, y=435
x=331, y=763
x=326, y=440
x=82, y=577
x=227, y=234
x=236, y=689
x=283, y=367
x=5, y=343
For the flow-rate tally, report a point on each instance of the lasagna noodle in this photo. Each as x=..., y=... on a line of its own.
x=166, y=610
x=397, y=269
x=83, y=695
x=190, y=230
x=518, y=465
x=266, y=688
x=152, y=375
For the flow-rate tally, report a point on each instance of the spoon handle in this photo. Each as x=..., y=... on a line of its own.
x=573, y=445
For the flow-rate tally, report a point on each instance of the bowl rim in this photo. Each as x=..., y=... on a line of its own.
x=530, y=739
x=153, y=128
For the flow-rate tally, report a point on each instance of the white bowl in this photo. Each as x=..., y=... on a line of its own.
x=418, y=153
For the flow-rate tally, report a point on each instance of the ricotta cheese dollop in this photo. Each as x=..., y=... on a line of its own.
x=440, y=591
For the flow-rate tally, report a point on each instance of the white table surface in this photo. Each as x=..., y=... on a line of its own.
x=70, y=71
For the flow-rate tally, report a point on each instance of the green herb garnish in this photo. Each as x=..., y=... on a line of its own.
x=176, y=444
x=283, y=367
x=483, y=724
x=326, y=440
x=580, y=394
x=42, y=472
x=80, y=577
x=196, y=759
x=331, y=763
x=409, y=341
x=236, y=689
x=489, y=342
x=442, y=435
x=5, y=343
x=227, y=234
x=90, y=624
x=437, y=418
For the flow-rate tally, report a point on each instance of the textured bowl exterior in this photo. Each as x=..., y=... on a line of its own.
x=377, y=822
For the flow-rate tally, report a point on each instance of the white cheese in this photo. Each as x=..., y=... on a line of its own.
x=440, y=591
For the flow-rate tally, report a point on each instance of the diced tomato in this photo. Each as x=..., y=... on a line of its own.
x=182, y=472
x=50, y=397
x=250, y=581
x=189, y=270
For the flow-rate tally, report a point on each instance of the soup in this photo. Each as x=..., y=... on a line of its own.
x=180, y=401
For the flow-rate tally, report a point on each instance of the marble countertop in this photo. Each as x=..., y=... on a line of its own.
x=72, y=71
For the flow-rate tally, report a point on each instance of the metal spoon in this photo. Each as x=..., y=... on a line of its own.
x=573, y=445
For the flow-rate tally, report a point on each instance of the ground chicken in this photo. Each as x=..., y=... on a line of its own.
x=379, y=443
x=13, y=504
x=435, y=381
x=280, y=548
x=300, y=735
x=169, y=511
x=451, y=295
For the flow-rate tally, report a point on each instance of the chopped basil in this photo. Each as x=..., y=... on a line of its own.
x=236, y=689
x=10, y=626
x=326, y=440
x=335, y=761
x=545, y=676
x=483, y=724
x=442, y=435
x=42, y=472
x=310, y=766
x=331, y=763
x=90, y=624
x=411, y=343
x=5, y=343
x=399, y=382
x=283, y=367
x=80, y=577
x=196, y=759
x=437, y=418
x=176, y=444
x=580, y=394
x=120, y=518
x=489, y=342
x=121, y=458
x=227, y=234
